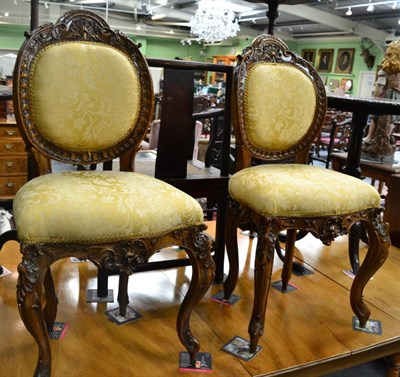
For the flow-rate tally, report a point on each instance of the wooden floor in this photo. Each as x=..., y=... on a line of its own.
x=308, y=332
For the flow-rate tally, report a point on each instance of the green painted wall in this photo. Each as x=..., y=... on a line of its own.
x=171, y=49
x=11, y=37
x=167, y=48
x=358, y=63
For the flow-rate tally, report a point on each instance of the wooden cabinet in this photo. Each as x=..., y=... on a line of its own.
x=13, y=160
x=225, y=60
x=6, y=106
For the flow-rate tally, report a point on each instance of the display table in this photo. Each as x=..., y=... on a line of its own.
x=351, y=164
x=361, y=109
x=387, y=173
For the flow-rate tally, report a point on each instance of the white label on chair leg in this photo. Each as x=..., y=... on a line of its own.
x=203, y=362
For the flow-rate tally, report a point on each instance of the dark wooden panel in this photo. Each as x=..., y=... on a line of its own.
x=177, y=127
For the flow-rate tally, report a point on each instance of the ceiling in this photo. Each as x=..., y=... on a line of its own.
x=298, y=20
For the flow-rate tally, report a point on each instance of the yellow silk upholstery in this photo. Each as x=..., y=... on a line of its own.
x=84, y=95
x=279, y=105
x=76, y=103
x=294, y=190
x=99, y=207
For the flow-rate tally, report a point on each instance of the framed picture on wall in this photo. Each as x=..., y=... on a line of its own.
x=325, y=57
x=344, y=60
x=333, y=84
x=347, y=85
x=309, y=55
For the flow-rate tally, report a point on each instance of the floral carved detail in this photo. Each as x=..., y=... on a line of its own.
x=29, y=275
x=125, y=257
x=381, y=227
x=331, y=229
x=203, y=243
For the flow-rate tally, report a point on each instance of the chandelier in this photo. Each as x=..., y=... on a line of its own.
x=214, y=21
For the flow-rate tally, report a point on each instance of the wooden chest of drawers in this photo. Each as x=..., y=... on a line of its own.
x=13, y=160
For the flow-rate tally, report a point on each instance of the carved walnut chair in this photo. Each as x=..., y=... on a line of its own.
x=83, y=94
x=279, y=105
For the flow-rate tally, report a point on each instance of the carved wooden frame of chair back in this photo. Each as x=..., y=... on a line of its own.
x=117, y=129
x=295, y=138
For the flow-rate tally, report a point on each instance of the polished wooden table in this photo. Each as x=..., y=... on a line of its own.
x=308, y=331
x=387, y=173
x=361, y=109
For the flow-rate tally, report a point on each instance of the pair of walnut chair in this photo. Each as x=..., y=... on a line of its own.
x=71, y=109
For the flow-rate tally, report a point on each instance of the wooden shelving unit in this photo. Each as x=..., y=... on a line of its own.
x=221, y=59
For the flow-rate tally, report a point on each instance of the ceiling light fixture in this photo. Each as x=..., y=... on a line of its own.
x=375, y=3
x=92, y=1
x=214, y=21
x=157, y=16
x=370, y=7
x=349, y=12
x=189, y=42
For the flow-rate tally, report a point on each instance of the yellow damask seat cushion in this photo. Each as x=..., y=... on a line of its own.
x=294, y=190
x=99, y=207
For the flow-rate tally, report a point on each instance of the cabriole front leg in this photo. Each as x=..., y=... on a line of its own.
x=378, y=249
x=203, y=274
x=32, y=271
x=262, y=281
